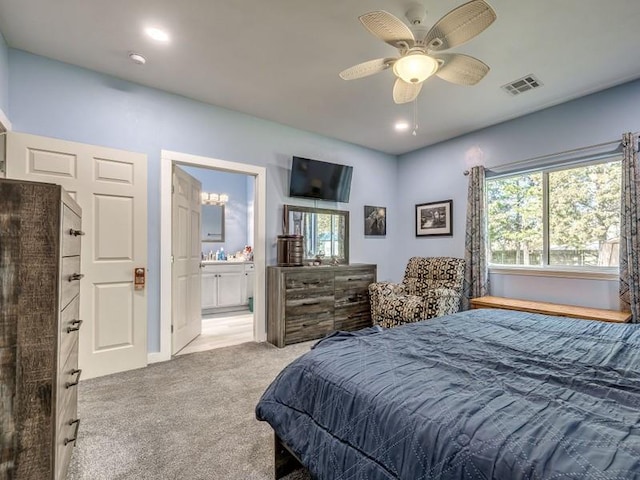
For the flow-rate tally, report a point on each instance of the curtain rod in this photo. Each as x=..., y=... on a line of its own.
x=556, y=154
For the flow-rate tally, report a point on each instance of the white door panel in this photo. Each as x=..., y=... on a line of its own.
x=186, y=279
x=111, y=187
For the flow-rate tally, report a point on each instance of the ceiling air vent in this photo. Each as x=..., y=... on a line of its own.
x=522, y=85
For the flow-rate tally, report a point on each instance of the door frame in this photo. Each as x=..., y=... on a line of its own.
x=5, y=127
x=167, y=159
x=4, y=121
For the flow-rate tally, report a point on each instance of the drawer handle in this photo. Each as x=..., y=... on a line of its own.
x=74, y=329
x=76, y=233
x=67, y=441
x=76, y=371
x=310, y=303
x=311, y=283
x=76, y=276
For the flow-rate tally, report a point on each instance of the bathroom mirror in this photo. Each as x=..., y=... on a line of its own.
x=325, y=231
x=213, y=223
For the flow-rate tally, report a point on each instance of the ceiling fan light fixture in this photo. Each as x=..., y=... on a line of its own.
x=415, y=67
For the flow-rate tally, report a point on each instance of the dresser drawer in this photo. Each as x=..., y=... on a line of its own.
x=67, y=423
x=69, y=328
x=350, y=319
x=354, y=298
x=69, y=287
x=306, y=328
x=71, y=232
x=68, y=377
x=354, y=279
x=308, y=281
x=308, y=303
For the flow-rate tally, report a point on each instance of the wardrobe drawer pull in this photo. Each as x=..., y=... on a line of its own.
x=74, y=329
x=77, y=371
x=67, y=441
x=76, y=233
x=76, y=276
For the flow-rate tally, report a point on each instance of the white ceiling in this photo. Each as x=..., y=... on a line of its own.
x=280, y=59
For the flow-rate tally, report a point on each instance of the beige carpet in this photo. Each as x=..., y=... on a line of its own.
x=189, y=418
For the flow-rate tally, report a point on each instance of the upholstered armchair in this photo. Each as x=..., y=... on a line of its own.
x=432, y=287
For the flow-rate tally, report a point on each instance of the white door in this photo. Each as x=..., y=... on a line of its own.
x=111, y=187
x=186, y=318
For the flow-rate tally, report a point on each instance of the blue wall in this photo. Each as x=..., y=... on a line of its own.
x=236, y=210
x=54, y=99
x=58, y=100
x=436, y=173
x=4, y=76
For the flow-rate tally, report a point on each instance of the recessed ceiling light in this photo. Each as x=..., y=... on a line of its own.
x=401, y=126
x=157, y=34
x=137, y=58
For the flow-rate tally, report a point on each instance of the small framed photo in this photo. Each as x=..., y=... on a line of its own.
x=434, y=219
x=375, y=221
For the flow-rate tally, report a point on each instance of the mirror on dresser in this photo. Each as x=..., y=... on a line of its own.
x=212, y=223
x=325, y=232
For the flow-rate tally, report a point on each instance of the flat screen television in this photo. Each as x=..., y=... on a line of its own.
x=320, y=180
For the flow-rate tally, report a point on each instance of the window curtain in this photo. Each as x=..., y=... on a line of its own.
x=476, y=275
x=629, y=235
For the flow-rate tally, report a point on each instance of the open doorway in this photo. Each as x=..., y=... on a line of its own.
x=256, y=227
x=226, y=259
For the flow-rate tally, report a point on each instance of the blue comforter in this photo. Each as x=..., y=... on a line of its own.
x=475, y=395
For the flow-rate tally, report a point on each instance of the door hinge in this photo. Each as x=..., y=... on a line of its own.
x=171, y=258
x=173, y=189
x=171, y=328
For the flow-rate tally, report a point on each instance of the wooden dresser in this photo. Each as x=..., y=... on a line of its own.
x=305, y=303
x=40, y=232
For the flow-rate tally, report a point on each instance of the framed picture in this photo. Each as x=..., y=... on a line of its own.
x=375, y=221
x=434, y=219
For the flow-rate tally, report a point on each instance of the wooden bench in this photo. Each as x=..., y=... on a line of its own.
x=551, y=309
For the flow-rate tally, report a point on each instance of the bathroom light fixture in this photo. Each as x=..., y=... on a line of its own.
x=214, y=198
x=157, y=34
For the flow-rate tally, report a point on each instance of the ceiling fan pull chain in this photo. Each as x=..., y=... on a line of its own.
x=415, y=117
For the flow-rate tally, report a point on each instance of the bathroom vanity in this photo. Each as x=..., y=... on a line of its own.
x=226, y=285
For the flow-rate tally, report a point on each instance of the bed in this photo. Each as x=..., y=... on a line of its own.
x=475, y=395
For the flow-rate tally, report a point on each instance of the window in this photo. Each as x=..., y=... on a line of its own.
x=562, y=217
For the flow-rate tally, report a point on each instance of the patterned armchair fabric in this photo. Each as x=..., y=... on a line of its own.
x=432, y=287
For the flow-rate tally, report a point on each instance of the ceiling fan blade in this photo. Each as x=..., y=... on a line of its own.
x=460, y=25
x=366, y=68
x=388, y=28
x=461, y=69
x=404, y=92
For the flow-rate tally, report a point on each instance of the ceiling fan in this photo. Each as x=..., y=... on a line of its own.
x=420, y=55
